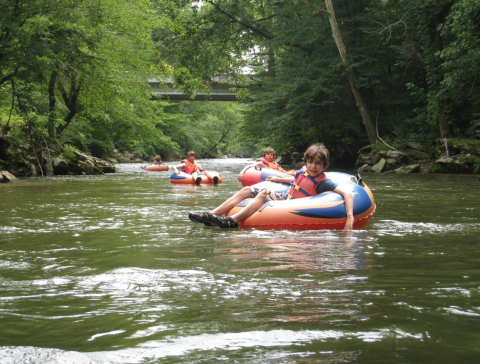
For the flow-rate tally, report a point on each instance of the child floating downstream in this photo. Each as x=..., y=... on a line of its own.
x=193, y=169
x=310, y=182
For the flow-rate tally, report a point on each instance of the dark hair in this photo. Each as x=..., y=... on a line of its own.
x=157, y=158
x=268, y=150
x=190, y=153
x=317, y=150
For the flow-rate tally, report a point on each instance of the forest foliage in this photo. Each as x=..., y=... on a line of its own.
x=75, y=73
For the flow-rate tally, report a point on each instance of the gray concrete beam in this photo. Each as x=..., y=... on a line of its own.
x=218, y=92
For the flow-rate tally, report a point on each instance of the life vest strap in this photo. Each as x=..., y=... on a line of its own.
x=300, y=189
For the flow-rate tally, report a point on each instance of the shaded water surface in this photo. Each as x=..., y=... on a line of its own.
x=108, y=269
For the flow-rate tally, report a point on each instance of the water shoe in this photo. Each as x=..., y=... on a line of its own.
x=201, y=218
x=223, y=221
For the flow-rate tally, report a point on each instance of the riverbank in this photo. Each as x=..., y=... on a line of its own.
x=75, y=162
x=446, y=156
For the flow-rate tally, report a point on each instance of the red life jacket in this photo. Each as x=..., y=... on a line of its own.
x=190, y=167
x=276, y=166
x=304, y=185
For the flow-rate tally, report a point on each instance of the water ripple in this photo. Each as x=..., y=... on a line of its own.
x=400, y=228
x=190, y=345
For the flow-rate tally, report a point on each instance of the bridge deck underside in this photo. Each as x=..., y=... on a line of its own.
x=215, y=94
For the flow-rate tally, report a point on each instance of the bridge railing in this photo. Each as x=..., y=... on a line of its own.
x=220, y=89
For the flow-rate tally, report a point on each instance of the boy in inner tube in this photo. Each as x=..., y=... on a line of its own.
x=310, y=180
x=266, y=162
x=191, y=167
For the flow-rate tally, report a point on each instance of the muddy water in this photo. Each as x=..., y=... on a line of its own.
x=108, y=269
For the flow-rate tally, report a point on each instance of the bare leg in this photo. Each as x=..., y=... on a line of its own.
x=232, y=201
x=194, y=176
x=250, y=209
x=208, y=174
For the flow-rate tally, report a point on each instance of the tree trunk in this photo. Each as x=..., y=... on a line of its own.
x=362, y=108
x=271, y=61
x=51, y=105
x=70, y=100
x=445, y=130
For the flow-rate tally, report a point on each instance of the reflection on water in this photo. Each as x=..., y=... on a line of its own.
x=108, y=269
x=324, y=251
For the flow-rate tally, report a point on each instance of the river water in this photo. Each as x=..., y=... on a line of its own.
x=108, y=269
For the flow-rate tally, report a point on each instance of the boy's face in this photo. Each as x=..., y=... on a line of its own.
x=270, y=156
x=315, y=167
x=191, y=158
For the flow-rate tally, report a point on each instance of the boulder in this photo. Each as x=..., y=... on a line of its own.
x=81, y=156
x=463, y=157
x=445, y=160
x=457, y=164
x=391, y=164
x=106, y=167
x=457, y=146
x=86, y=167
x=7, y=177
x=412, y=168
x=91, y=165
x=417, y=146
x=369, y=159
x=60, y=166
x=417, y=154
x=379, y=166
x=364, y=168
x=395, y=154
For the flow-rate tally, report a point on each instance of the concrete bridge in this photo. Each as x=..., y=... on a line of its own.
x=220, y=90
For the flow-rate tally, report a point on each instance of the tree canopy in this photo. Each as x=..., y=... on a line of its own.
x=413, y=62
x=342, y=72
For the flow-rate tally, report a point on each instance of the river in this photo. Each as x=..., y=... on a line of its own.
x=109, y=269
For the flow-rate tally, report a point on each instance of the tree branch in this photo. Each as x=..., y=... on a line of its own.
x=238, y=21
x=389, y=27
x=378, y=135
x=315, y=6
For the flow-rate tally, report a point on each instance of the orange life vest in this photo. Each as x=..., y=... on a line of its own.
x=276, y=166
x=190, y=167
x=304, y=185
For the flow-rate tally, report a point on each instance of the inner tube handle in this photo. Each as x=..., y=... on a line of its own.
x=258, y=168
x=359, y=179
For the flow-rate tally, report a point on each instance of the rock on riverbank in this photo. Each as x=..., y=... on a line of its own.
x=76, y=163
x=446, y=156
x=6, y=177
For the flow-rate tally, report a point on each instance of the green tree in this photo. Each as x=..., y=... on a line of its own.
x=460, y=66
x=425, y=41
x=265, y=29
x=79, y=70
x=352, y=78
x=199, y=44
x=209, y=128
